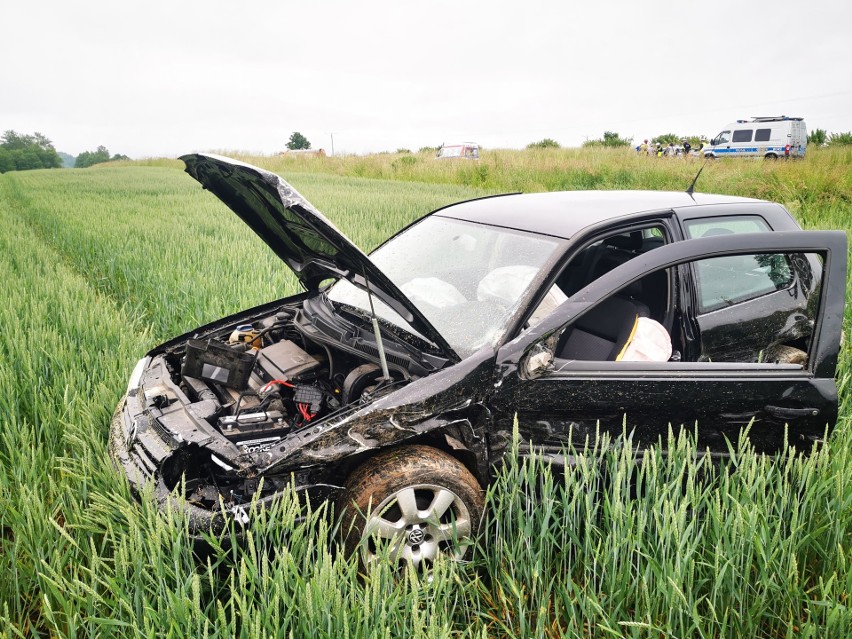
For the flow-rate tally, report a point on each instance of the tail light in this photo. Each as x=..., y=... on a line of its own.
x=787, y=150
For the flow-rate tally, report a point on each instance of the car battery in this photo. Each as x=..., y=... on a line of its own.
x=252, y=425
x=217, y=363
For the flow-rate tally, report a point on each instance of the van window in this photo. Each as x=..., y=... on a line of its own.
x=723, y=137
x=742, y=135
x=762, y=135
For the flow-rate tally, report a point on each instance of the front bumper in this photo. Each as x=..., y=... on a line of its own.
x=138, y=450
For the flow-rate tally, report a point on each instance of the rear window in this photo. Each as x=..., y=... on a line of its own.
x=762, y=135
x=742, y=135
x=708, y=227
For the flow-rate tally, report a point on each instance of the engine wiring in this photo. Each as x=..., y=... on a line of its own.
x=267, y=385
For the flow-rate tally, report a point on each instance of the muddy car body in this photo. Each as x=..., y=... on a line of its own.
x=507, y=310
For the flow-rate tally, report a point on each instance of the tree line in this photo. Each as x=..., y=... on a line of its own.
x=23, y=152
x=20, y=152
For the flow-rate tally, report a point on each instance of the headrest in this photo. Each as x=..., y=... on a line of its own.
x=628, y=241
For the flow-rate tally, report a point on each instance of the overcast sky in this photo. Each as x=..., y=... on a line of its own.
x=164, y=78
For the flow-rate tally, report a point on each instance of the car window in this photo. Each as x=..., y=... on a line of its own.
x=723, y=137
x=723, y=281
x=752, y=309
x=742, y=135
x=599, y=258
x=708, y=227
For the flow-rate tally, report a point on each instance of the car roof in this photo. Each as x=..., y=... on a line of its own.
x=565, y=213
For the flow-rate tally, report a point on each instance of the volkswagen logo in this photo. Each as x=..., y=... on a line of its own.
x=416, y=536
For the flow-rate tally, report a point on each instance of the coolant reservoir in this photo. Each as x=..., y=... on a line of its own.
x=245, y=333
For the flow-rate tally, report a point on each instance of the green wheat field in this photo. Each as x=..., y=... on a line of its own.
x=99, y=265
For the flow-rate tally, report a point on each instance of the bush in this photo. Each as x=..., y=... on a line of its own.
x=610, y=139
x=546, y=143
x=818, y=137
x=840, y=139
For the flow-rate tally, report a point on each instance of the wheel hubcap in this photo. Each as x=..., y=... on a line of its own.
x=415, y=525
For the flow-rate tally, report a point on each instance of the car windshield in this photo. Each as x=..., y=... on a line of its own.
x=467, y=279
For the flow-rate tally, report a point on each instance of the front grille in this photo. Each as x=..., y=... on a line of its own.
x=167, y=438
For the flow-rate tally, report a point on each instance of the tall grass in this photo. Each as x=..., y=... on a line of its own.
x=99, y=265
x=669, y=544
x=822, y=178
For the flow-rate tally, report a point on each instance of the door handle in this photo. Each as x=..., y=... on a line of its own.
x=782, y=412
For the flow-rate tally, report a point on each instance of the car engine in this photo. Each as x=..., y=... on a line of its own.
x=259, y=380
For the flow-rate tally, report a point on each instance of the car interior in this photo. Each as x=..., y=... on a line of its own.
x=602, y=333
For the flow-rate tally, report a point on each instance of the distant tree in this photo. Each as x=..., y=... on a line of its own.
x=666, y=138
x=118, y=156
x=428, y=149
x=88, y=158
x=298, y=141
x=818, y=137
x=610, y=139
x=403, y=150
x=546, y=143
x=22, y=152
x=840, y=139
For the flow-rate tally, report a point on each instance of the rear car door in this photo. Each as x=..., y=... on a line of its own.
x=559, y=400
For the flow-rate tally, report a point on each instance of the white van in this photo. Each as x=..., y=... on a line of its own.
x=769, y=137
x=464, y=151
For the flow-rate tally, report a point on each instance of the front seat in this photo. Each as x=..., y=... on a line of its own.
x=602, y=334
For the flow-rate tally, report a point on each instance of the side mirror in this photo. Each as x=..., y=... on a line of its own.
x=539, y=360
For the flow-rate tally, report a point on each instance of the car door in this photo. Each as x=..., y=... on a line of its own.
x=558, y=402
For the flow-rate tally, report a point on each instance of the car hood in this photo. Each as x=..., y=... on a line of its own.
x=314, y=248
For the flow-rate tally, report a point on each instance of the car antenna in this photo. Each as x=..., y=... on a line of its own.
x=691, y=188
x=379, y=345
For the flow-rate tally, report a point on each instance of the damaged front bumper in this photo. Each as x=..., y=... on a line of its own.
x=139, y=449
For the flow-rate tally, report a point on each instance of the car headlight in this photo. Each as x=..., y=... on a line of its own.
x=136, y=375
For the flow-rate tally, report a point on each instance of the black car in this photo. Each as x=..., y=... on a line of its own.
x=393, y=383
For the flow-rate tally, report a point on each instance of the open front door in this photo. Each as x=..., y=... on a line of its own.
x=796, y=278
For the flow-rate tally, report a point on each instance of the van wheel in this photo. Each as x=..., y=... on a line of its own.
x=770, y=156
x=411, y=505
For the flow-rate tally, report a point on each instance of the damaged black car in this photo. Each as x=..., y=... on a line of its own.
x=392, y=385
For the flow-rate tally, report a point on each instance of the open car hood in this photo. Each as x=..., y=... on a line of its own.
x=304, y=238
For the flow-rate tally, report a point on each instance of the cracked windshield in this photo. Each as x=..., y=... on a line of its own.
x=467, y=279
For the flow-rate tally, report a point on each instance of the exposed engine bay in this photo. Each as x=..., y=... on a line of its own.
x=260, y=379
x=230, y=399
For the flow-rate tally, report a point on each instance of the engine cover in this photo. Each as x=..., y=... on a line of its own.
x=284, y=360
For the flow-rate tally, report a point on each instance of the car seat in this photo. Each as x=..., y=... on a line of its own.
x=603, y=332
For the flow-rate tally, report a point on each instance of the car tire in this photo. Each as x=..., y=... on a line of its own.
x=410, y=505
x=770, y=156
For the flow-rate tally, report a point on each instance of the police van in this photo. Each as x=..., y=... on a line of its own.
x=768, y=137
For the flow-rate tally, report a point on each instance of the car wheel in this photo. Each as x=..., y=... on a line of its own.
x=411, y=505
x=770, y=156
